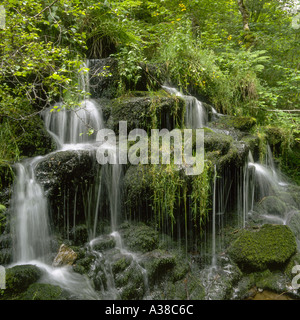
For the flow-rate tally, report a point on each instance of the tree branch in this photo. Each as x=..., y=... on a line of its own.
x=48, y=7
x=245, y=14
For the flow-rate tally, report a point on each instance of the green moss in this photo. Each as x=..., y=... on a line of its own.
x=269, y=247
x=275, y=282
x=244, y=124
x=295, y=260
x=189, y=288
x=19, y=278
x=83, y=263
x=121, y=264
x=274, y=135
x=43, y=291
x=158, y=264
x=140, y=237
x=217, y=141
x=147, y=112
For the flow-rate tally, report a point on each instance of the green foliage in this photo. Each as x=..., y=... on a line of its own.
x=41, y=48
x=172, y=192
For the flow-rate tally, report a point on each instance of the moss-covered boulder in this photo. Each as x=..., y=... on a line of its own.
x=270, y=246
x=147, y=112
x=105, y=242
x=214, y=141
x=19, y=278
x=65, y=177
x=188, y=288
x=139, y=237
x=158, y=264
x=43, y=291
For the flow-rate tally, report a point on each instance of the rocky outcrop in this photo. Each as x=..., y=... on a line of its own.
x=65, y=256
x=67, y=177
x=147, y=112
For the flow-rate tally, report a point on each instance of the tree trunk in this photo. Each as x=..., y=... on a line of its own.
x=245, y=14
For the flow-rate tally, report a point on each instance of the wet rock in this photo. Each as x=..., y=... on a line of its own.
x=19, y=278
x=294, y=261
x=139, y=237
x=214, y=141
x=43, y=291
x=137, y=191
x=84, y=264
x=273, y=206
x=6, y=256
x=66, y=177
x=276, y=282
x=141, y=112
x=294, y=224
x=158, y=264
x=79, y=234
x=65, y=168
x=270, y=246
x=65, y=256
x=103, y=243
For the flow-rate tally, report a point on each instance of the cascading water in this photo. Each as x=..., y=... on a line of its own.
x=32, y=230
x=196, y=116
x=70, y=126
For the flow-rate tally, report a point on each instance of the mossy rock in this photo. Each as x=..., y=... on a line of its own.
x=158, y=264
x=272, y=205
x=189, y=288
x=6, y=256
x=104, y=242
x=83, y=265
x=295, y=260
x=275, y=282
x=235, y=157
x=43, y=291
x=19, y=278
x=137, y=190
x=244, y=124
x=294, y=224
x=145, y=112
x=274, y=135
x=214, y=141
x=79, y=234
x=140, y=237
x=271, y=246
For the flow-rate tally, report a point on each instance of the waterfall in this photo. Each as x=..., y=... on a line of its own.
x=214, y=262
x=71, y=126
x=30, y=207
x=195, y=116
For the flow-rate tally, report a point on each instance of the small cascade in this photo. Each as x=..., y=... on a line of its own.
x=30, y=206
x=71, y=126
x=196, y=116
